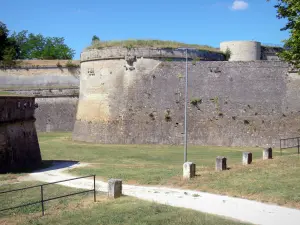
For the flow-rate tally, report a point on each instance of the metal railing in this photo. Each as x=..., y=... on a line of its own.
x=295, y=143
x=42, y=201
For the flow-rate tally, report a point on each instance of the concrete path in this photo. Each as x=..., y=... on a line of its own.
x=236, y=208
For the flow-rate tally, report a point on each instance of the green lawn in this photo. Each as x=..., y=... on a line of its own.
x=275, y=180
x=81, y=209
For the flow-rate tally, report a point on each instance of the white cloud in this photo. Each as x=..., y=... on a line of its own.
x=239, y=5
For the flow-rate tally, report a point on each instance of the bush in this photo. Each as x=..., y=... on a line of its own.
x=227, y=54
x=195, y=101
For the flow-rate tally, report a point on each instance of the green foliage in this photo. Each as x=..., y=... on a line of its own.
x=168, y=59
x=3, y=38
x=227, y=54
x=24, y=45
x=196, y=101
x=8, y=47
x=95, y=38
x=180, y=76
x=195, y=60
x=290, y=11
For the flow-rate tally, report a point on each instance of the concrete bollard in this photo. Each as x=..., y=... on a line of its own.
x=247, y=158
x=267, y=153
x=189, y=170
x=114, y=188
x=221, y=163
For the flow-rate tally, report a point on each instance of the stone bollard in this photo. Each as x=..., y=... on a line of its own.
x=221, y=163
x=267, y=153
x=114, y=188
x=189, y=170
x=247, y=158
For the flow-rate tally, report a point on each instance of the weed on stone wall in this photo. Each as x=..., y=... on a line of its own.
x=71, y=65
x=215, y=100
x=151, y=115
x=168, y=116
x=195, y=60
x=58, y=65
x=180, y=76
x=196, y=101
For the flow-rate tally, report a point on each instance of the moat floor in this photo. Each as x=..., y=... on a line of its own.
x=235, y=208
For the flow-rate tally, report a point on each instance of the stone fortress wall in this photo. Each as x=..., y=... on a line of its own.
x=110, y=77
x=54, y=86
x=19, y=147
x=249, y=51
x=136, y=96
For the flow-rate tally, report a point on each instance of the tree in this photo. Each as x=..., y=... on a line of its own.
x=95, y=39
x=290, y=10
x=37, y=46
x=3, y=38
x=8, y=48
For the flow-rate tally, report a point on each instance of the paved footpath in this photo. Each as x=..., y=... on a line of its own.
x=236, y=208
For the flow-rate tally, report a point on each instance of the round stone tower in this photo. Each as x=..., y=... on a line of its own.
x=242, y=50
x=110, y=81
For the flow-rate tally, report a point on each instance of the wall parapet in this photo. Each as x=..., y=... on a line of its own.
x=121, y=53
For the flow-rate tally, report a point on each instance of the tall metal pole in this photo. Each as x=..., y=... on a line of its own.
x=185, y=106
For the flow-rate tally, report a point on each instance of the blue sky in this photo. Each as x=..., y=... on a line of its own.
x=192, y=21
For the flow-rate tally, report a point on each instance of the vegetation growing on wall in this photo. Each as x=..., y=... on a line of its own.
x=71, y=65
x=227, y=54
x=168, y=116
x=149, y=43
x=196, y=101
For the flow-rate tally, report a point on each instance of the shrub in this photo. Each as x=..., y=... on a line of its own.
x=196, y=101
x=227, y=54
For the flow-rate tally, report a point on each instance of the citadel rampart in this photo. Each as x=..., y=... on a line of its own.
x=55, y=87
x=137, y=98
x=19, y=147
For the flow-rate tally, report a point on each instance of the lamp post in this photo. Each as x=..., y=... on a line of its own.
x=185, y=101
x=185, y=105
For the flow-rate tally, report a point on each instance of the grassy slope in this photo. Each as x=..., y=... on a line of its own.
x=81, y=209
x=273, y=181
x=149, y=43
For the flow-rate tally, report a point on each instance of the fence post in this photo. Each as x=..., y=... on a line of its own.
x=42, y=200
x=280, y=147
x=94, y=188
x=298, y=145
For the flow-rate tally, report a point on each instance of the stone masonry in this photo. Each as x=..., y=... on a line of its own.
x=141, y=100
x=19, y=147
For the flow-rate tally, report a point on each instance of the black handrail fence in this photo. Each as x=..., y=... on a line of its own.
x=42, y=201
x=290, y=143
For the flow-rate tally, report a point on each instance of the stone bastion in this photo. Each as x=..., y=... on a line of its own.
x=19, y=147
x=136, y=96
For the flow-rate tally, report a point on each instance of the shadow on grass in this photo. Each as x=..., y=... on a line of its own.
x=46, y=165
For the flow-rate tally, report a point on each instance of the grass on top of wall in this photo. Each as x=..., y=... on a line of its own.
x=148, y=43
x=4, y=93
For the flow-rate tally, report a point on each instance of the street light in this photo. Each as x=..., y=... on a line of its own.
x=185, y=100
